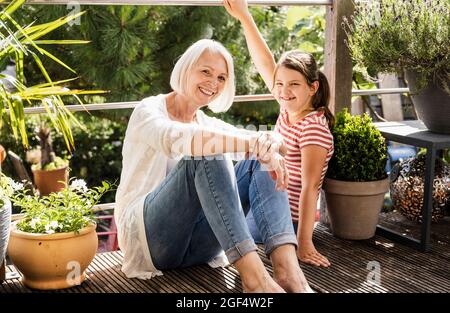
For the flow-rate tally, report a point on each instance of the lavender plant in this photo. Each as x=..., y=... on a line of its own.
x=392, y=35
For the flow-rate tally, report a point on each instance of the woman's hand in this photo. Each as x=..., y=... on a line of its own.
x=307, y=253
x=278, y=141
x=275, y=164
x=265, y=143
x=237, y=8
x=267, y=148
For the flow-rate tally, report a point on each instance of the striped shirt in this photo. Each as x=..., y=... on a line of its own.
x=310, y=130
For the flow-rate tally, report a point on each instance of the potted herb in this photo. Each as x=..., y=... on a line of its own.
x=55, y=240
x=356, y=180
x=411, y=36
x=50, y=172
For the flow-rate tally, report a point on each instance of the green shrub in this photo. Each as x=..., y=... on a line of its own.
x=360, y=151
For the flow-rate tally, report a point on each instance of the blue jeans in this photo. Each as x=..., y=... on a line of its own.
x=254, y=228
x=200, y=207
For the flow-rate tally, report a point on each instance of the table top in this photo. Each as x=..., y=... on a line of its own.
x=413, y=133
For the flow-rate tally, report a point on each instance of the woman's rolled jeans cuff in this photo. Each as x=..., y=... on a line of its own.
x=235, y=253
x=248, y=245
x=279, y=240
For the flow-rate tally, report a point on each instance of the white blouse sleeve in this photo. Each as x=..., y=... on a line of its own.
x=149, y=126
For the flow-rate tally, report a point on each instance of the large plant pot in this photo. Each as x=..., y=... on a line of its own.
x=51, y=181
x=5, y=221
x=53, y=261
x=354, y=207
x=432, y=103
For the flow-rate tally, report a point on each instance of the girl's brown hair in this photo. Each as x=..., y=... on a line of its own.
x=305, y=64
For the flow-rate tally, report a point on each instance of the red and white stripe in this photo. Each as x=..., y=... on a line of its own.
x=311, y=130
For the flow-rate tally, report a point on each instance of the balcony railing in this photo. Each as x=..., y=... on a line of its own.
x=181, y=2
x=244, y=98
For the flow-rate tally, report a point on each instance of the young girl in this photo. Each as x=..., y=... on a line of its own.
x=304, y=122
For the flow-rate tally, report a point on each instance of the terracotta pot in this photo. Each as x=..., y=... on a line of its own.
x=354, y=207
x=54, y=261
x=51, y=181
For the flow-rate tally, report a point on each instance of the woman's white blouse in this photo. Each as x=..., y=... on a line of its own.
x=150, y=139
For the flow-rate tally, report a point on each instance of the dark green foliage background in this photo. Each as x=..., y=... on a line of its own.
x=131, y=53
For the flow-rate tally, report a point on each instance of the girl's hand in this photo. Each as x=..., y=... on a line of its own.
x=307, y=253
x=237, y=8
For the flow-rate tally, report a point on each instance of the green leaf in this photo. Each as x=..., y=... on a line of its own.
x=12, y=6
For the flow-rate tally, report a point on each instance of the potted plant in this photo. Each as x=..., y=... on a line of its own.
x=7, y=187
x=356, y=180
x=50, y=172
x=411, y=36
x=55, y=240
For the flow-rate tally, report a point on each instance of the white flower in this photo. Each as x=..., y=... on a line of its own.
x=54, y=224
x=78, y=184
x=34, y=221
x=50, y=227
x=16, y=186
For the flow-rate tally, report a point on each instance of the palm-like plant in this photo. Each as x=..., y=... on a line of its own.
x=17, y=42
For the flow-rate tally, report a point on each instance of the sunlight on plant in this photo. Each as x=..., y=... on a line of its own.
x=66, y=211
x=7, y=188
x=16, y=43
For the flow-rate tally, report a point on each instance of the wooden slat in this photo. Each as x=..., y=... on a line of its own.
x=403, y=269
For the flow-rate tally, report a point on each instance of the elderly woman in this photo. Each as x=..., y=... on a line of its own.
x=181, y=202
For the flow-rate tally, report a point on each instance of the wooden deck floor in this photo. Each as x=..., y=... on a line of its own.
x=401, y=269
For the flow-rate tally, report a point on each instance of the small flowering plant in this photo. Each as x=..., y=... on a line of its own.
x=66, y=211
x=7, y=188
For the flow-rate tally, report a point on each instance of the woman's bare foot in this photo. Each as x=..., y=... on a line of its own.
x=294, y=282
x=254, y=275
x=286, y=270
x=262, y=285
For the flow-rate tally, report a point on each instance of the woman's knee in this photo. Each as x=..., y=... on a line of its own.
x=212, y=163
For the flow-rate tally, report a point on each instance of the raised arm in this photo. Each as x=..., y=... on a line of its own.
x=259, y=51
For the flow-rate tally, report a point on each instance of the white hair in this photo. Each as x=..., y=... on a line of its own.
x=180, y=73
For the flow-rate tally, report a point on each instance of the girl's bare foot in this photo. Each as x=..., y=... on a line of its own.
x=308, y=254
